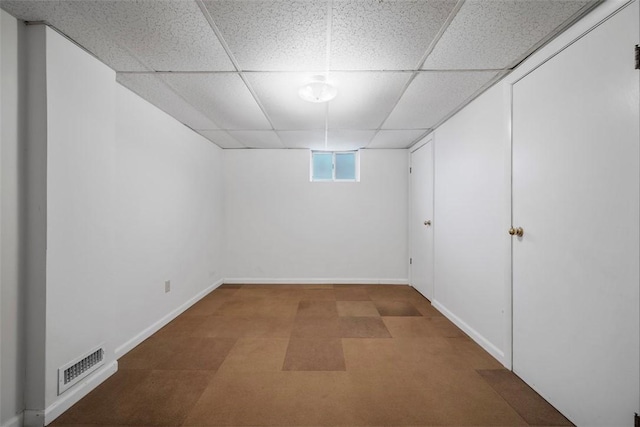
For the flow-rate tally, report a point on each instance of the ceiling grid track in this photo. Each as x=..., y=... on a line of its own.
x=235, y=63
x=402, y=68
x=415, y=72
x=328, y=69
x=173, y=90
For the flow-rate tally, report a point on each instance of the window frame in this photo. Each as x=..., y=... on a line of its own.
x=356, y=154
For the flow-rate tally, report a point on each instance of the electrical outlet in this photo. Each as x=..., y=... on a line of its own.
x=167, y=286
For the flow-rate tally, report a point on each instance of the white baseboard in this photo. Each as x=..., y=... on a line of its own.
x=33, y=418
x=152, y=329
x=73, y=395
x=17, y=421
x=314, y=281
x=481, y=340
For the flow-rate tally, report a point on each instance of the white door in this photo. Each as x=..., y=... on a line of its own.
x=576, y=195
x=422, y=219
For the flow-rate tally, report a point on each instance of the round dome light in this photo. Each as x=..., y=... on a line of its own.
x=318, y=90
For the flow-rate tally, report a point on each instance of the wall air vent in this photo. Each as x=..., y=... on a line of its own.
x=71, y=373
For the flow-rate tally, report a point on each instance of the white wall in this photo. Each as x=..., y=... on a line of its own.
x=80, y=209
x=121, y=197
x=12, y=367
x=169, y=195
x=472, y=206
x=35, y=215
x=134, y=199
x=282, y=227
x=1, y=204
x=2, y=73
x=469, y=222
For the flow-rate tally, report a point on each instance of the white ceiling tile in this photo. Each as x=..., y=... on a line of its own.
x=396, y=138
x=349, y=139
x=497, y=34
x=165, y=35
x=384, y=35
x=223, y=97
x=286, y=35
x=154, y=90
x=336, y=139
x=71, y=18
x=311, y=139
x=221, y=138
x=278, y=94
x=433, y=95
x=257, y=138
x=364, y=98
x=281, y=44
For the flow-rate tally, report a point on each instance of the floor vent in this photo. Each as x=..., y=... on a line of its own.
x=72, y=372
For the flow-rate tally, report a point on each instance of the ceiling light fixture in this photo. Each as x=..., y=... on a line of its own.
x=318, y=90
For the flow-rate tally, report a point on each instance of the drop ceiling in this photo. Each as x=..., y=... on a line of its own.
x=231, y=69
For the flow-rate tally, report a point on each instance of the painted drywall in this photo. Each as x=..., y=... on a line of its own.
x=470, y=229
x=121, y=198
x=35, y=173
x=169, y=216
x=80, y=208
x=282, y=227
x=12, y=87
x=2, y=73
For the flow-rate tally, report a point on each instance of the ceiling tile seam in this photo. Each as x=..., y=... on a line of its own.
x=334, y=70
x=244, y=146
x=218, y=34
x=282, y=145
x=395, y=104
x=179, y=95
x=327, y=67
x=117, y=72
x=556, y=32
x=329, y=30
x=440, y=33
x=167, y=113
x=299, y=130
x=232, y=58
x=443, y=70
x=461, y=70
x=372, y=138
x=432, y=46
x=310, y=129
x=256, y=99
x=322, y=130
x=179, y=72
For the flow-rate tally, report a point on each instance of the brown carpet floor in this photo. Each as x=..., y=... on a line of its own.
x=298, y=355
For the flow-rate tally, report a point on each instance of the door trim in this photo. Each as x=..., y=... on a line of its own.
x=426, y=140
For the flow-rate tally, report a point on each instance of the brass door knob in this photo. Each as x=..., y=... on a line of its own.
x=516, y=231
x=427, y=223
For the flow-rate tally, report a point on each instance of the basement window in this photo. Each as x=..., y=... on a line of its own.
x=335, y=166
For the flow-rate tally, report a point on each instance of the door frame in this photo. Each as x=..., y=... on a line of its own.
x=593, y=19
x=415, y=147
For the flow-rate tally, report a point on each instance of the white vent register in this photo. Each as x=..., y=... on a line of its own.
x=71, y=373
